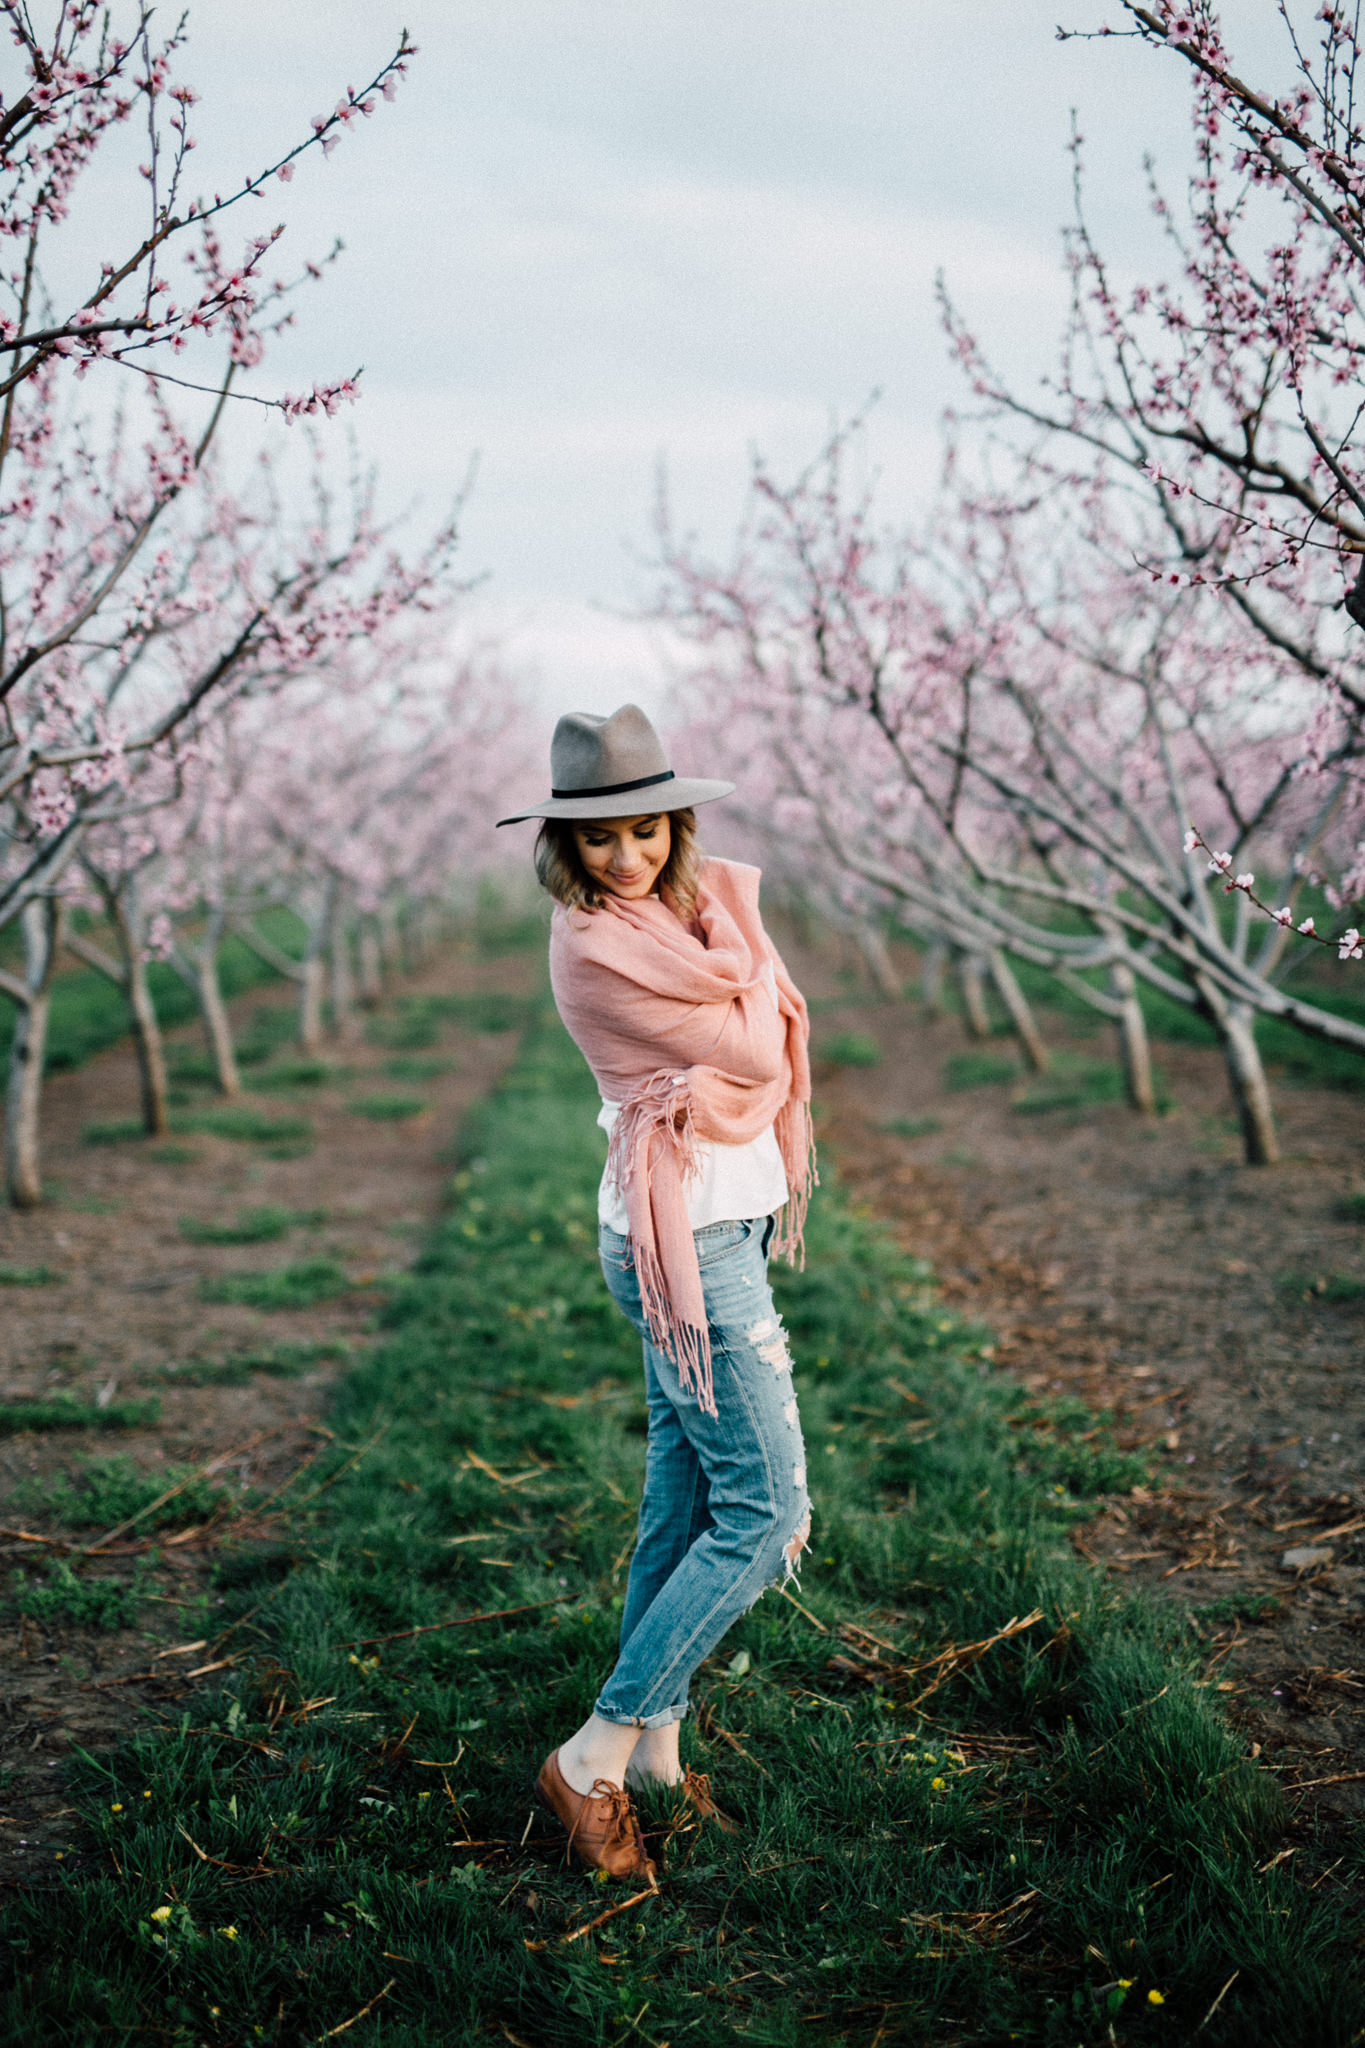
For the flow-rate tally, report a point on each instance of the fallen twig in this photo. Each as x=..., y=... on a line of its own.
x=507, y=1481
x=961, y=1658
x=333, y=2031
x=1217, y=2002
x=340, y=1473
x=1324, y=1535
x=200, y=1472
x=402, y=1635
x=814, y=1621
x=651, y=1892
x=713, y=1727
x=130, y=1678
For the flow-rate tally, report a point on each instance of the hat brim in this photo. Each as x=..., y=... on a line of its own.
x=682, y=795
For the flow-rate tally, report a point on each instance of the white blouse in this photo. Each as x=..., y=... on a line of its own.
x=735, y=1182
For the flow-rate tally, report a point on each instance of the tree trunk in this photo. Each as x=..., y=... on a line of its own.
x=151, y=1057
x=339, y=966
x=872, y=945
x=312, y=976
x=23, y=1097
x=370, y=963
x=931, y=977
x=1236, y=1027
x=390, y=939
x=310, y=1005
x=1250, y=1089
x=213, y=1010
x=971, y=975
x=129, y=972
x=1020, y=1015
x=1135, y=1052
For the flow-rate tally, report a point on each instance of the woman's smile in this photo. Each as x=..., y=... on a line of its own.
x=625, y=855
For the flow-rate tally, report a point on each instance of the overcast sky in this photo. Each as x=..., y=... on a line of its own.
x=592, y=234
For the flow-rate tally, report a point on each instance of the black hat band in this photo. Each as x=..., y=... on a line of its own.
x=613, y=788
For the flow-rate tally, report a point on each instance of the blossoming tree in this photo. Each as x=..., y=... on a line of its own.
x=1002, y=735
x=1219, y=403
x=135, y=591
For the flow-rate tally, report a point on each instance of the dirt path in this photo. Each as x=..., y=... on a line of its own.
x=125, y=1318
x=1140, y=1265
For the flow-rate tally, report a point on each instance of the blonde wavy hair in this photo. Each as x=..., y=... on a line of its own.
x=561, y=872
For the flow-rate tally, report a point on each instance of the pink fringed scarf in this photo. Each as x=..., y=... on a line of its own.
x=683, y=1032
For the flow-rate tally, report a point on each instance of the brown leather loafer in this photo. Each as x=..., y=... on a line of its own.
x=602, y=1826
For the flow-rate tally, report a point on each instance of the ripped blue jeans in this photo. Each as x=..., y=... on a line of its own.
x=725, y=1512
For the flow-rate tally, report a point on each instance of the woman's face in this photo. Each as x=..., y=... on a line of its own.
x=625, y=855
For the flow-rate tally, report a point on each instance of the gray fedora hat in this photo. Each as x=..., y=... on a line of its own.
x=614, y=768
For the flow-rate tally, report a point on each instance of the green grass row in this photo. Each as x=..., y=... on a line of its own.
x=1291, y=1052
x=90, y=1013
x=1062, y=1842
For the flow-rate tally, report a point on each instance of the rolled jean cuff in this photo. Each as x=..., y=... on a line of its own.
x=665, y=1718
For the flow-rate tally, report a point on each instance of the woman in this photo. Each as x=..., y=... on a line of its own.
x=697, y=1038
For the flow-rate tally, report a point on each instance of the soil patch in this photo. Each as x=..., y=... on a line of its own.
x=120, y=1304
x=1216, y=1310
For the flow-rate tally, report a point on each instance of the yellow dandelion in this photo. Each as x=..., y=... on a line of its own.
x=1155, y=1998
x=146, y=1795
x=161, y=1913
x=230, y=1932
x=1126, y=1983
x=117, y=1806
x=938, y=1784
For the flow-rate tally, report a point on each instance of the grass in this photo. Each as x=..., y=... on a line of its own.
x=388, y=1109
x=413, y=1025
x=64, y=1411
x=237, y=1121
x=1352, y=1206
x=247, y=1126
x=410, y=1066
x=259, y=1225
x=1076, y=1082
x=1310, y=1061
x=286, y=1361
x=298, y=1072
x=978, y=1070
x=61, y=1595
x=272, y=1027
x=1251, y=1607
x=912, y=1126
x=102, y=1492
x=124, y=1130
x=488, y=1010
x=301, y=1285
x=90, y=1013
x=28, y=1276
x=1333, y=1287
x=1027, y=1849
x=850, y=1049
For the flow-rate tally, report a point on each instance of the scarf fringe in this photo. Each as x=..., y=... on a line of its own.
x=652, y=1112
x=658, y=1121
x=688, y=1346
x=795, y=1133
